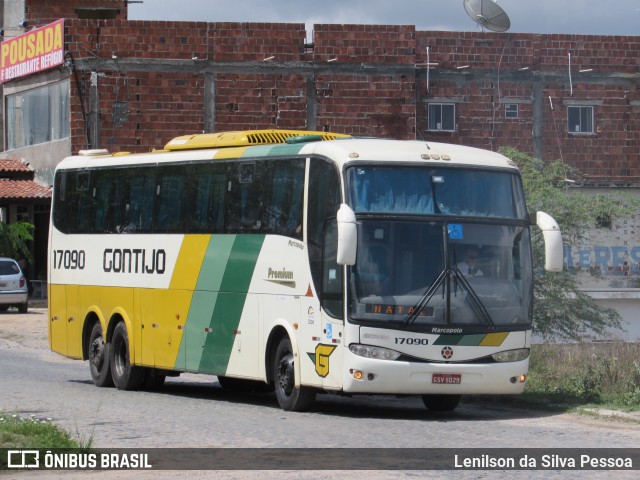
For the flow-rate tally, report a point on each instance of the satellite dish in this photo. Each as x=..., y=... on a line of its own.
x=488, y=14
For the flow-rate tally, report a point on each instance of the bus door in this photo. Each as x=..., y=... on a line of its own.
x=332, y=316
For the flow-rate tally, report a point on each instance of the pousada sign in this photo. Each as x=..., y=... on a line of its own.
x=34, y=51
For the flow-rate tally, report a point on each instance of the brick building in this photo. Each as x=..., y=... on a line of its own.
x=133, y=85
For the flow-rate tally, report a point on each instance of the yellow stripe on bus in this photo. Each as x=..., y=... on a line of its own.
x=494, y=339
x=189, y=262
x=230, y=153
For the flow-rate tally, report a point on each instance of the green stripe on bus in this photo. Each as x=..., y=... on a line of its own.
x=272, y=150
x=195, y=334
x=472, y=340
x=283, y=150
x=215, y=262
x=489, y=339
x=448, y=339
x=229, y=304
x=204, y=299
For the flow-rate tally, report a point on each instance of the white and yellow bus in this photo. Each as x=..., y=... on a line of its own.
x=303, y=261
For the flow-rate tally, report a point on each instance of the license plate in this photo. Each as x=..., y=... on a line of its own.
x=446, y=378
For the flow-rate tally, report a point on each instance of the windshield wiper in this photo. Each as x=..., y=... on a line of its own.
x=425, y=299
x=476, y=304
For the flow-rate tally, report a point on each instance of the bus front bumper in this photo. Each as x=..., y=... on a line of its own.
x=393, y=377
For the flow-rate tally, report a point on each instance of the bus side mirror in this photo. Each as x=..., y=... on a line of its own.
x=553, y=251
x=347, y=236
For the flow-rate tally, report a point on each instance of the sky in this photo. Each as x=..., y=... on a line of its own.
x=597, y=17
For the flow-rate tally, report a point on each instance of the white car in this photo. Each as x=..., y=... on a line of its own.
x=14, y=290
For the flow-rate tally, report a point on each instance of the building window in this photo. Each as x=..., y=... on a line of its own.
x=442, y=117
x=37, y=116
x=511, y=110
x=580, y=119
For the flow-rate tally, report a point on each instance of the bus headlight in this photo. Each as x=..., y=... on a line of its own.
x=369, y=351
x=511, y=355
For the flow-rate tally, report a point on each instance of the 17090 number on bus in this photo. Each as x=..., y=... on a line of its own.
x=446, y=378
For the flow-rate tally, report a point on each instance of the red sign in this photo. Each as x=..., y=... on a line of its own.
x=34, y=51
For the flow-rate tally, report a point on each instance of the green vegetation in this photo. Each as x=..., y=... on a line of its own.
x=16, y=432
x=606, y=374
x=561, y=310
x=14, y=240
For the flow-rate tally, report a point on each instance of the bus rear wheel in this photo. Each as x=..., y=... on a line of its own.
x=125, y=376
x=441, y=403
x=99, y=358
x=290, y=397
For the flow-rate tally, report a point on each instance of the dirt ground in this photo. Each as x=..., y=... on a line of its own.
x=26, y=329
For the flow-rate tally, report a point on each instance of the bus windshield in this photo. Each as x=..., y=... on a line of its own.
x=435, y=191
x=420, y=266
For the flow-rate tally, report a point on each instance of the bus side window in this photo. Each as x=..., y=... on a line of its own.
x=60, y=206
x=82, y=204
x=244, y=200
x=284, y=198
x=138, y=208
x=108, y=197
x=208, y=184
x=171, y=196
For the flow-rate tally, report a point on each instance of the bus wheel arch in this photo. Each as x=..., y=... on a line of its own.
x=90, y=320
x=277, y=334
x=125, y=375
x=96, y=350
x=284, y=371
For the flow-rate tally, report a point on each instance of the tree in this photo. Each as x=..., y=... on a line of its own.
x=561, y=310
x=14, y=238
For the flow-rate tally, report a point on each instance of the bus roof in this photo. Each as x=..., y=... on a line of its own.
x=277, y=143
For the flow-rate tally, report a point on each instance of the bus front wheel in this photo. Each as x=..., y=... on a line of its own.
x=125, y=376
x=290, y=397
x=441, y=403
x=99, y=358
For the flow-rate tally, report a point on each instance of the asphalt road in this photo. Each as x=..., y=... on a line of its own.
x=194, y=411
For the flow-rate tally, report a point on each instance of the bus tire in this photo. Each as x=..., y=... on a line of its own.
x=125, y=376
x=289, y=397
x=441, y=403
x=99, y=358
